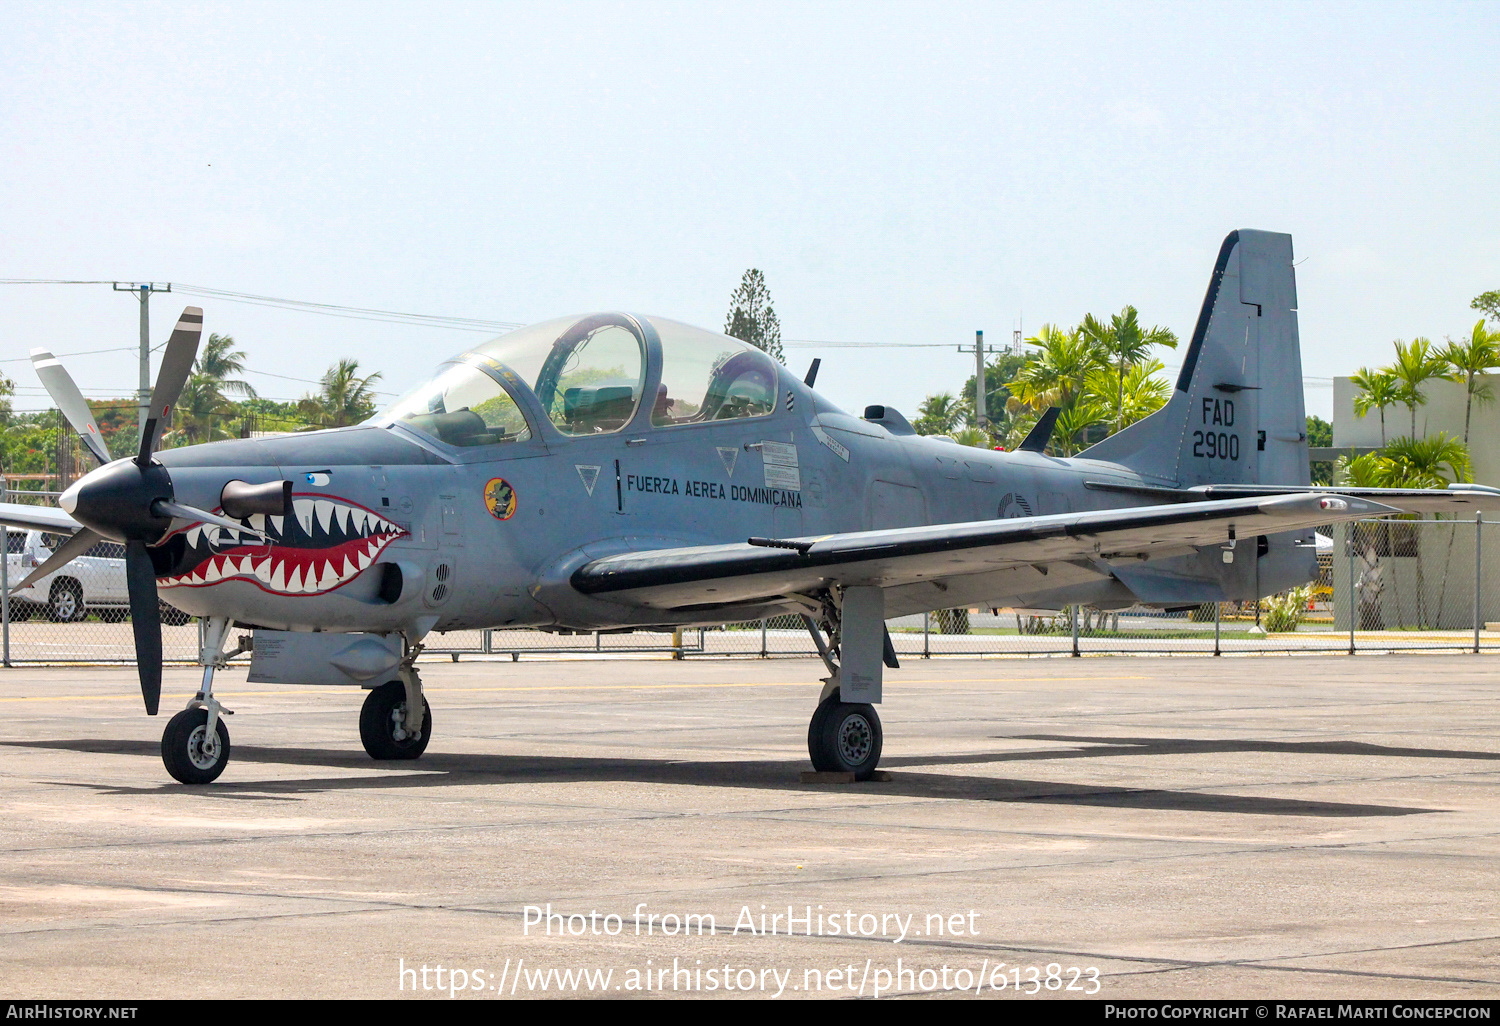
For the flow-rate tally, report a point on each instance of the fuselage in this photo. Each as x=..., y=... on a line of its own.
x=488, y=536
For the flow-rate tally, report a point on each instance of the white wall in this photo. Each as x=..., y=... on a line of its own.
x=1444, y=411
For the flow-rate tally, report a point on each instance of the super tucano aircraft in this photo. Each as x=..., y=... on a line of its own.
x=617, y=471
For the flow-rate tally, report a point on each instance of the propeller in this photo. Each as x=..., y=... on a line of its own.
x=65, y=393
x=129, y=501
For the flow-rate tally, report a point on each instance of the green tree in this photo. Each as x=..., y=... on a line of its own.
x=1074, y=421
x=1489, y=302
x=939, y=414
x=1319, y=432
x=752, y=318
x=344, y=397
x=1417, y=362
x=1421, y=462
x=203, y=399
x=999, y=376
x=1123, y=342
x=1378, y=389
x=1141, y=393
x=119, y=424
x=1471, y=358
x=1363, y=471
x=1056, y=373
x=1320, y=436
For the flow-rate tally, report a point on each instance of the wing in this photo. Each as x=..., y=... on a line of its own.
x=36, y=518
x=1455, y=499
x=725, y=574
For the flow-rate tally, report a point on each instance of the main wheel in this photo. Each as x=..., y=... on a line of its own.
x=65, y=604
x=184, y=749
x=382, y=724
x=844, y=737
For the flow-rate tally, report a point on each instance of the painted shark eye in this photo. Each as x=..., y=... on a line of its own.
x=318, y=478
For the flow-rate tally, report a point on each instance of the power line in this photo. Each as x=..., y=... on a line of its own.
x=352, y=312
x=304, y=306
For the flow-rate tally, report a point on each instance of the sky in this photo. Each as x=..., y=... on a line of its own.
x=903, y=174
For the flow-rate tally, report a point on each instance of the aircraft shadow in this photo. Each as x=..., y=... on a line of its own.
x=445, y=770
x=1114, y=746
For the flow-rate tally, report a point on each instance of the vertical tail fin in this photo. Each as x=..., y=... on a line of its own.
x=1236, y=415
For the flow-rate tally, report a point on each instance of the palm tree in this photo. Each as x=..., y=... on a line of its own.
x=218, y=360
x=1364, y=471
x=1473, y=357
x=345, y=397
x=193, y=416
x=1378, y=389
x=1124, y=342
x=939, y=414
x=1075, y=419
x=1141, y=394
x=1419, y=462
x=203, y=398
x=1417, y=362
x=1055, y=374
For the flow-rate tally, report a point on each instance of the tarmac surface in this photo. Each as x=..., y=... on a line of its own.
x=1188, y=827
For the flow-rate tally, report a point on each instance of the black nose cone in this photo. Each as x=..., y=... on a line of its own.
x=116, y=499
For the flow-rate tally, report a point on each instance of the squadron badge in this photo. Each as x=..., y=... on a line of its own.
x=500, y=498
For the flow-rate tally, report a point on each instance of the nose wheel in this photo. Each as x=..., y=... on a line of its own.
x=194, y=752
x=385, y=728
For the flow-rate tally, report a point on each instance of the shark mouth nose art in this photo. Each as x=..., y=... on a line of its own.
x=323, y=545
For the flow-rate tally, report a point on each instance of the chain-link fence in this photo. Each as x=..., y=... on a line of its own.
x=1383, y=586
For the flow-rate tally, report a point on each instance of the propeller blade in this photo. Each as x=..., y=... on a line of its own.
x=176, y=365
x=167, y=508
x=145, y=620
x=65, y=553
x=64, y=392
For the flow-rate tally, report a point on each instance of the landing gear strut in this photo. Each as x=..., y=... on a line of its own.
x=845, y=737
x=195, y=745
x=396, y=721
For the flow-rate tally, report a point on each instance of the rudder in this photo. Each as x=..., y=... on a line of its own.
x=1236, y=415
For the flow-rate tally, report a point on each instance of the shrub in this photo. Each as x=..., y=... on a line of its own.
x=1285, y=611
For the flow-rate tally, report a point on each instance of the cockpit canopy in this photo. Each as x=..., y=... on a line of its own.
x=587, y=376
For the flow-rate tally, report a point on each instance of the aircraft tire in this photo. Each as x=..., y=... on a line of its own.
x=182, y=748
x=845, y=737
x=384, y=707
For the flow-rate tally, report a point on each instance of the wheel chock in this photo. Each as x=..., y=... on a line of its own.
x=816, y=777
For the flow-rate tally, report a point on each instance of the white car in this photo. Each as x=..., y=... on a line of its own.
x=92, y=583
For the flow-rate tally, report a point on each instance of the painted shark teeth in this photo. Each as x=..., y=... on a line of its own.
x=326, y=543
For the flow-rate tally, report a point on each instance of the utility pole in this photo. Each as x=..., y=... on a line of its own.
x=980, y=417
x=143, y=290
x=979, y=389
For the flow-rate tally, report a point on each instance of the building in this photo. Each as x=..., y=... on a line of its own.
x=1443, y=411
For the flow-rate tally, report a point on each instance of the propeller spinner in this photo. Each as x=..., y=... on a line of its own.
x=128, y=501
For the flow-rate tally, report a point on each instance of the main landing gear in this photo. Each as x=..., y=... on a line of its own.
x=845, y=736
x=195, y=745
x=396, y=721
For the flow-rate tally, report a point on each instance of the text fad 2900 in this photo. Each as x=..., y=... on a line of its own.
x=1213, y=444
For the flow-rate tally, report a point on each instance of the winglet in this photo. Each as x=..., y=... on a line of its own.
x=1041, y=434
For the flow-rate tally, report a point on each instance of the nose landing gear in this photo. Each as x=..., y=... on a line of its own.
x=195, y=745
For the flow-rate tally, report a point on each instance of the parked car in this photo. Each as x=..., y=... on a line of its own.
x=92, y=583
